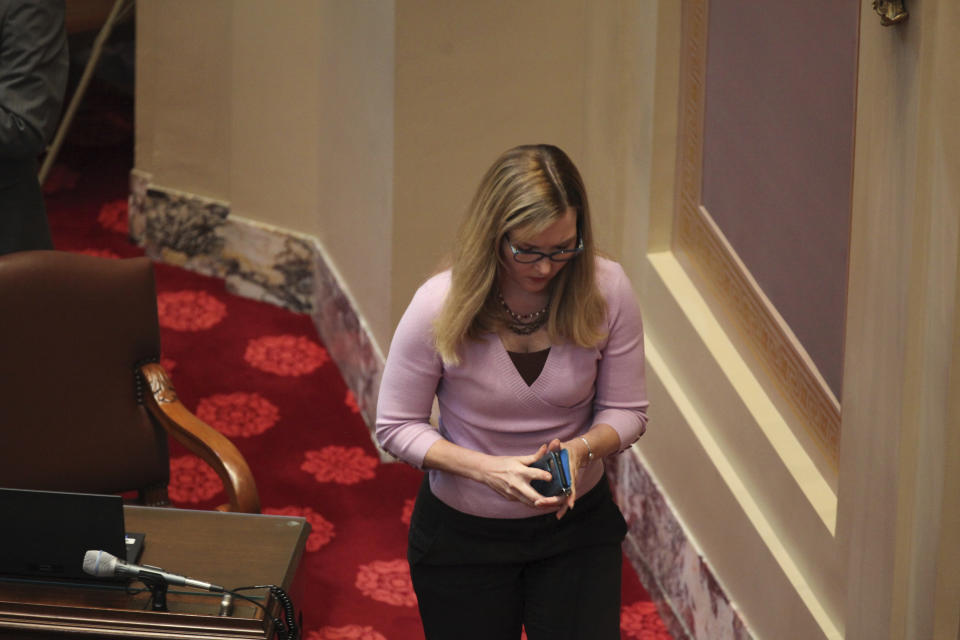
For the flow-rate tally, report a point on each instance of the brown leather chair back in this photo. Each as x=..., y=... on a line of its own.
x=73, y=329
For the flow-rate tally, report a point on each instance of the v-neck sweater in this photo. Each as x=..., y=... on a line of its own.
x=485, y=405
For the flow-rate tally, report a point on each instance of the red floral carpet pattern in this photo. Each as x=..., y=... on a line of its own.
x=407, y=514
x=286, y=355
x=113, y=216
x=349, y=632
x=192, y=481
x=345, y=465
x=189, y=310
x=640, y=620
x=351, y=401
x=238, y=414
x=261, y=376
x=387, y=581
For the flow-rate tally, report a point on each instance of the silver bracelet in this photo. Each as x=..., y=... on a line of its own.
x=589, y=450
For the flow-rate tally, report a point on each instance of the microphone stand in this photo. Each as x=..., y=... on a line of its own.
x=157, y=585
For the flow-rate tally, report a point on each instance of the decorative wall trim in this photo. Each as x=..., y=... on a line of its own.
x=688, y=596
x=261, y=262
x=348, y=339
x=700, y=244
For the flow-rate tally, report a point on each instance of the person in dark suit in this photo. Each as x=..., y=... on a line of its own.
x=33, y=78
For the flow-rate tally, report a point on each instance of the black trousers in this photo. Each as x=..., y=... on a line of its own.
x=23, y=217
x=485, y=578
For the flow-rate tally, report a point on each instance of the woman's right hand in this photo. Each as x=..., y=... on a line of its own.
x=510, y=476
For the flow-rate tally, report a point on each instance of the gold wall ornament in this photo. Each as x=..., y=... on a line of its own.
x=890, y=11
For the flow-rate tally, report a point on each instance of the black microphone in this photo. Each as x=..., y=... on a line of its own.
x=106, y=565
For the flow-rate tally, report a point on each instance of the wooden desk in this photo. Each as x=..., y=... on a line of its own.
x=230, y=549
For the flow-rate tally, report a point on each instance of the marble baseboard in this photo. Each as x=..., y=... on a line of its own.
x=687, y=594
x=348, y=340
x=261, y=262
x=255, y=260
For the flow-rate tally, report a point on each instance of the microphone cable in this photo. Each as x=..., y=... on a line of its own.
x=288, y=628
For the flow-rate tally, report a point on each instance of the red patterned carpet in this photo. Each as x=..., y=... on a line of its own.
x=261, y=376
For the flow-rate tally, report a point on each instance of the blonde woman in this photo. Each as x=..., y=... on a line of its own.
x=531, y=343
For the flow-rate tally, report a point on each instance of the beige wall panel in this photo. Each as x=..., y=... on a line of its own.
x=747, y=570
x=946, y=600
x=898, y=453
x=472, y=80
x=313, y=134
x=765, y=468
x=274, y=123
x=666, y=81
x=354, y=120
x=145, y=98
x=286, y=113
x=946, y=197
x=875, y=342
x=927, y=392
x=620, y=57
x=183, y=114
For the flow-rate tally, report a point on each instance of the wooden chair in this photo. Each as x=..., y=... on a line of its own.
x=84, y=404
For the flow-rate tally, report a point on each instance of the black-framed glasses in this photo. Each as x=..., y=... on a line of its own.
x=527, y=256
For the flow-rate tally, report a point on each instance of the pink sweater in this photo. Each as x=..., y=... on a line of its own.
x=486, y=406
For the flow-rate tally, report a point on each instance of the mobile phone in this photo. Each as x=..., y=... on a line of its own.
x=558, y=464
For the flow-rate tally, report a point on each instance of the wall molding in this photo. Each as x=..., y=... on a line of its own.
x=701, y=245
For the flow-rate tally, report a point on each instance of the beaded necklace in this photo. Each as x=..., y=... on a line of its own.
x=523, y=324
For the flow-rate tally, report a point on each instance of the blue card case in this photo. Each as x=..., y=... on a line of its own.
x=558, y=464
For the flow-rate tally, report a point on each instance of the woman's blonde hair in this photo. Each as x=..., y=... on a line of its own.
x=527, y=189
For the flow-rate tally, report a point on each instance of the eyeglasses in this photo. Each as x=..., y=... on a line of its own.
x=526, y=256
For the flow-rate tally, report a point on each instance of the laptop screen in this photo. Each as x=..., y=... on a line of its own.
x=47, y=533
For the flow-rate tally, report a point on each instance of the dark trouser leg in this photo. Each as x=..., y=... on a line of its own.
x=481, y=602
x=23, y=217
x=575, y=595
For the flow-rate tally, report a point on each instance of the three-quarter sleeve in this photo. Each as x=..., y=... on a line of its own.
x=410, y=378
x=621, y=392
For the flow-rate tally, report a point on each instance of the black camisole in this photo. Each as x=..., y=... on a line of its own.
x=529, y=365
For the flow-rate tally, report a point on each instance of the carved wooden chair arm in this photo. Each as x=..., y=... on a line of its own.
x=201, y=439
